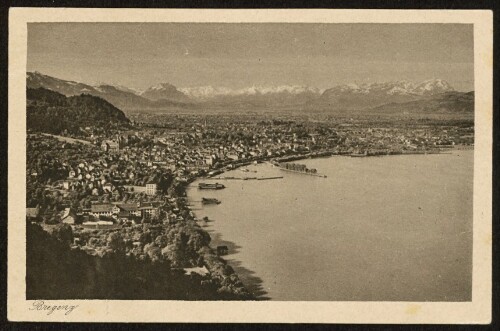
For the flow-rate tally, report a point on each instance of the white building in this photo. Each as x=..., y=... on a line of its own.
x=151, y=188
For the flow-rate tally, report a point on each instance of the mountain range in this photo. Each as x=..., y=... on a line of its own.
x=432, y=95
x=121, y=97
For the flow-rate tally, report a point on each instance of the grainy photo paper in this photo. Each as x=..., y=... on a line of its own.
x=315, y=166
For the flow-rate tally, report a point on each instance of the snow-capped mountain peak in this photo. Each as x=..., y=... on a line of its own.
x=208, y=92
x=403, y=87
x=164, y=91
x=433, y=86
x=162, y=86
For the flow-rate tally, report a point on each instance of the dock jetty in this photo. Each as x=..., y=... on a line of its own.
x=247, y=178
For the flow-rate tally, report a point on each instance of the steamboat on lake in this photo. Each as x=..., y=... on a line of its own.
x=208, y=186
x=297, y=168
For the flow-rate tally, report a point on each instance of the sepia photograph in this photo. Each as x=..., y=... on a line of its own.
x=266, y=162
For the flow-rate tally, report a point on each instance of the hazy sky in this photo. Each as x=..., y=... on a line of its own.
x=239, y=55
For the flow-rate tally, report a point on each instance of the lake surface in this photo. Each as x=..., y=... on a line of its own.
x=393, y=228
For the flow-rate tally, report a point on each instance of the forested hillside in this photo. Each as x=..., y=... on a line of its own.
x=112, y=274
x=51, y=112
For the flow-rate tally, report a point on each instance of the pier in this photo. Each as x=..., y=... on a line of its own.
x=302, y=172
x=247, y=178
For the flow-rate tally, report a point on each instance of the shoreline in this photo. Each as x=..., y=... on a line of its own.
x=317, y=155
x=268, y=160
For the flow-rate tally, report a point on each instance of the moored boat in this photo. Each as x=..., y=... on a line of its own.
x=210, y=201
x=207, y=186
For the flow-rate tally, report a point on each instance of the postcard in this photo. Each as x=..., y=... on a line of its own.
x=289, y=166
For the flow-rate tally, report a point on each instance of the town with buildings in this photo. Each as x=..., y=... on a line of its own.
x=131, y=184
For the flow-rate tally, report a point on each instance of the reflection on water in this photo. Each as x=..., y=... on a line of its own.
x=380, y=228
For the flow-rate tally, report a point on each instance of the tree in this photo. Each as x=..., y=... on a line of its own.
x=175, y=254
x=64, y=233
x=115, y=242
x=145, y=237
x=93, y=241
x=161, y=241
x=153, y=252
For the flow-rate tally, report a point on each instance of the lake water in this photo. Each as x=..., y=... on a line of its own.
x=377, y=228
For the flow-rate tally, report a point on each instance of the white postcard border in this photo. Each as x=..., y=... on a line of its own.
x=476, y=312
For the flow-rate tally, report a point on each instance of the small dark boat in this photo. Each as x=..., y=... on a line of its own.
x=210, y=201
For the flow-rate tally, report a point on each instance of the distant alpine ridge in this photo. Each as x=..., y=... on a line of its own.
x=121, y=97
x=210, y=92
x=435, y=95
